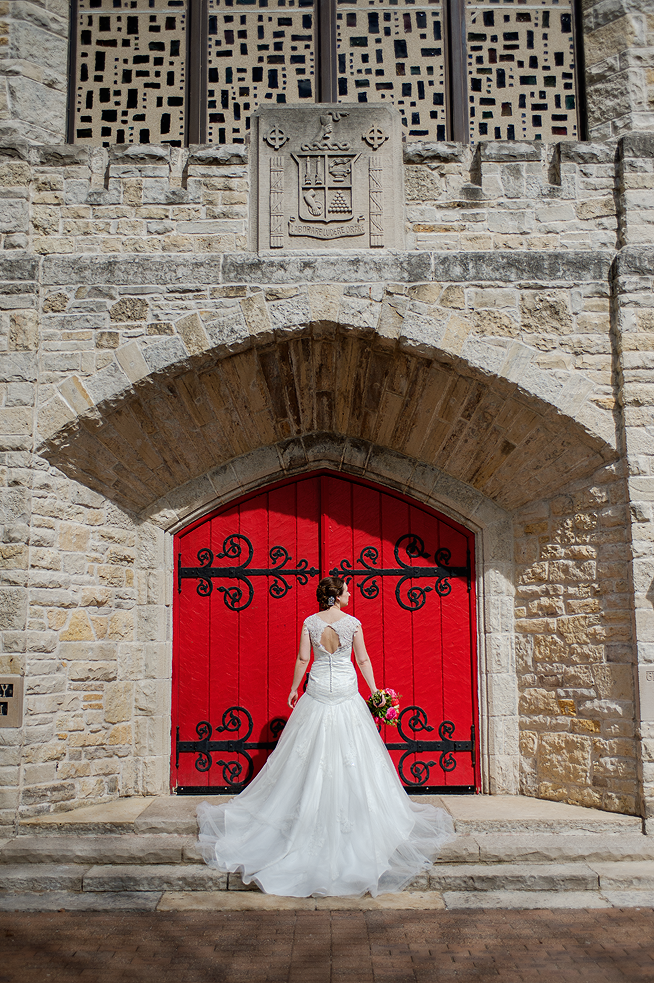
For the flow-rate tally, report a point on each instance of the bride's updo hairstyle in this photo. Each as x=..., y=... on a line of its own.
x=328, y=590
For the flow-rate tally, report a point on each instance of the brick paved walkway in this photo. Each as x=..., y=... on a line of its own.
x=599, y=946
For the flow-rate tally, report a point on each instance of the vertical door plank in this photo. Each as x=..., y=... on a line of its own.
x=224, y=639
x=457, y=663
x=308, y=547
x=194, y=640
x=253, y=625
x=283, y=611
x=366, y=532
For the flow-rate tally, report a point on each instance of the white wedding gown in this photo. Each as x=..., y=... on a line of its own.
x=327, y=815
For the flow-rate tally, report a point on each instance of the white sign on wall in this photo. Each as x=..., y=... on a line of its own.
x=11, y=701
x=646, y=688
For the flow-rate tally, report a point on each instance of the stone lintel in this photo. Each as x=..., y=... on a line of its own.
x=514, y=266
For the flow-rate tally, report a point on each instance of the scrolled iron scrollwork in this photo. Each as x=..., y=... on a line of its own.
x=239, y=596
x=204, y=731
x=236, y=726
x=205, y=559
x=412, y=724
x=232, y=771
x=413, y=546
x=414, y=767
x=232, y=548
x=277, y=725
x=232, y=721
x=234, y=595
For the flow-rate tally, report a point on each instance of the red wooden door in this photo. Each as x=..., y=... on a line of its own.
x=246, y=579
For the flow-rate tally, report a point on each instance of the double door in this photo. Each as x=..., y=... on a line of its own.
x=246, y=579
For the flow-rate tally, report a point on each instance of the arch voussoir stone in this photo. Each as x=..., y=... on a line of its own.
x=163, y=415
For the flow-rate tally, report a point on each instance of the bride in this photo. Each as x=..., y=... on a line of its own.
x=327, y=815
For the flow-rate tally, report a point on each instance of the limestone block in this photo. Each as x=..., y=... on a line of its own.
x=611, y=38
x=626, y=874
x=191, y=330
x=132, y=362
x=230, y=330
x=79, y=628
x=121, y=625
x=90, y=672
x=17, y=367
x=16, y=420
x=24, y=331
x=163, y=353
x=14, y=215
x=73, y=537
x=155, y=877
x=42, y=877
x=121, y=734
x=130, y=308
x=516, y=877
x=38, y=104
x=106, y=383
x=73, y=391
x=593, y=208
x=565, y=757
x=13, y=608
x=256, y=316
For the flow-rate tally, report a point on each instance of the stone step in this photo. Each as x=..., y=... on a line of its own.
x=620, y=876
x=41, y=877
x=130, y=848
x=473, y=815
x=484, y=848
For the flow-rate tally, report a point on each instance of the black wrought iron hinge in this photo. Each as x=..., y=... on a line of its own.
x=233, y=777
x=414, y=547
x=414, y=718
x=233, y=596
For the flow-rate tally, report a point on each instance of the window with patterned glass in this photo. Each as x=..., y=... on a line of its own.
x=256, y=55
x=130, y=72
x=521, y=70
x=194, y=71
x=393, y=52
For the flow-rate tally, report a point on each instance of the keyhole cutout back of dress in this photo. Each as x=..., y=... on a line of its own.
x=329, y=639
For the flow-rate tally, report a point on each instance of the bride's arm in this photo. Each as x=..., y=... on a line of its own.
x=301, y=663
x=363, y=660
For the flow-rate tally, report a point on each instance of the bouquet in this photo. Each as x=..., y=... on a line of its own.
x=384, y=705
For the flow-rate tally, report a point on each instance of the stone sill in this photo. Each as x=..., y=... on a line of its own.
x=632, y=145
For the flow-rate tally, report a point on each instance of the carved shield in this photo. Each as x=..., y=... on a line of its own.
x=325, y=192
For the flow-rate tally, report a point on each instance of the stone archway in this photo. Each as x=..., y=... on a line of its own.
x=186, y=412
x=172, y=429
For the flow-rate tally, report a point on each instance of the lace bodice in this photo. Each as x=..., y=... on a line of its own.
x=346, y=628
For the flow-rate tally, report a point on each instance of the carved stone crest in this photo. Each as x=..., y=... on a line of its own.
x=327, y=177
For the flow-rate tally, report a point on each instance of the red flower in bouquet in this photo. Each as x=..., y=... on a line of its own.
x=384, y=706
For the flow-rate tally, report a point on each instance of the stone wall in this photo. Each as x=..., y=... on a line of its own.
x=34, y=69
x=151, y=368
x=168, y=200
x=619, y=56
x=574, y=645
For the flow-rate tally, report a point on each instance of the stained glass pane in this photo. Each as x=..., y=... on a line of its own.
x=131, y=72
x=521, y=71
x=394, y=53
x=260, y=52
